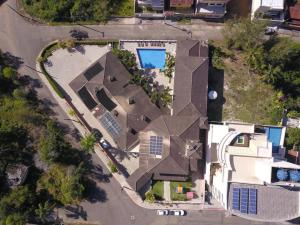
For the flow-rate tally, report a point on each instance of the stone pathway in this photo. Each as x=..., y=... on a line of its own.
x=167, y=193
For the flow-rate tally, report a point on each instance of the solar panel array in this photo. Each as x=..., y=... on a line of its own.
x=236, y=199
x=252, y=201
x=156, y=145
x=93, y=71
x=110, y=124
x=244, y=200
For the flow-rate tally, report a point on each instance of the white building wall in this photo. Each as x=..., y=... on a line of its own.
x=220, y=187
x=263, y=170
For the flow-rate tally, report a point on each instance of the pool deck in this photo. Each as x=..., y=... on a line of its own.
x=168, y=45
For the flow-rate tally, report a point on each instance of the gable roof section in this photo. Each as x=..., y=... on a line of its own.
x=191, y=77
x=109, y=77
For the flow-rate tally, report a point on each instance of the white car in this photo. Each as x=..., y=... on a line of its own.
x=271, y=30
x=104, y=143
x=177, y=212
x=162, y=212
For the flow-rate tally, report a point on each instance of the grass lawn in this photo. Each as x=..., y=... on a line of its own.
x=158, y=190
x=124, y=8
x=176, y=196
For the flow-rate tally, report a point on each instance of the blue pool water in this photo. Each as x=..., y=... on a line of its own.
x=152, y=58
x=274, y=136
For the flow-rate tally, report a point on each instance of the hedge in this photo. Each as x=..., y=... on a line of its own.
x=52, y=82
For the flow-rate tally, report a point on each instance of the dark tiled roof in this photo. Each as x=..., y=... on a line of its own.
x=114, y=79
x=191, y=77
x=180, y=131
x=274, y=203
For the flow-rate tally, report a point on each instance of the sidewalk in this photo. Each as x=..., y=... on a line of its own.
x=104, y=158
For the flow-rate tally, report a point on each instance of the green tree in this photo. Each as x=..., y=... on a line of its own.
x=19, y=93
x=9, y=73
x=127, y=58
x=244, y=33
x=15, y=219
x=52, y=145
x=18, y=111
x=293, y=138
x=165, y=97
x=88, y=142
x=13, y=141
x=65, y=184
x=155, y=97
x=43, y=211
x=16, y=206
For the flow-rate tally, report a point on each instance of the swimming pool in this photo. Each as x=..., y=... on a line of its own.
x=274, y=136
x=152, y=58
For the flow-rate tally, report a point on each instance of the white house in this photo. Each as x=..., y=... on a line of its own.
x=272, y=10
x=242, y=161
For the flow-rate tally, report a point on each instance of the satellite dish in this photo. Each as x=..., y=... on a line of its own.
x=212, y=95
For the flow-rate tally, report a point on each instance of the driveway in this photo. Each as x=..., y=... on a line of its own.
x=22, y=42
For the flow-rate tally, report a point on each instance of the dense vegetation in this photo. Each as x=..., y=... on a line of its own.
x=273, y=61
x=78, y=10
x=26, y=130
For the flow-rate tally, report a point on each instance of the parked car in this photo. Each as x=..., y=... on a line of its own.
x=162, y=212
x=177, y=212
x=97, y=134
x=104, y=143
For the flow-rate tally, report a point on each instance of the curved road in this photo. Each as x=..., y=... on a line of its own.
x=23, y=41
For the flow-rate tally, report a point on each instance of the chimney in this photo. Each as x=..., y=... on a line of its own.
x=131, y=100
x=133, y=131
x=112, y=78
x=116, y=113
x=146, y=119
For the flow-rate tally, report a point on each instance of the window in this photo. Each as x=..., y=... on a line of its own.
x=241, y=140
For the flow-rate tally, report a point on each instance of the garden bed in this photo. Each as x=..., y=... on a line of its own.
x=187, y=186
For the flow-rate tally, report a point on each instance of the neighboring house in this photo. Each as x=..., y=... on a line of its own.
x=191, y=8
x=16, y=174
x=211, y=8
x=271, y=10
x=182, y=6
x=170, y=146
x=294, y=19
x=242, y=161
x=122, y=108
x=156, y=5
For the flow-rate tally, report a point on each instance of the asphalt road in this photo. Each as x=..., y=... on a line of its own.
x=23, y=41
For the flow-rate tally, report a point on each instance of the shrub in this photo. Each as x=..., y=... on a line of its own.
x=150, y=197
x=113, y=168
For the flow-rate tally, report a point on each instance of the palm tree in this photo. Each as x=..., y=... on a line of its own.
x=87, y=143
x=43, y=211
x=166, y=97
